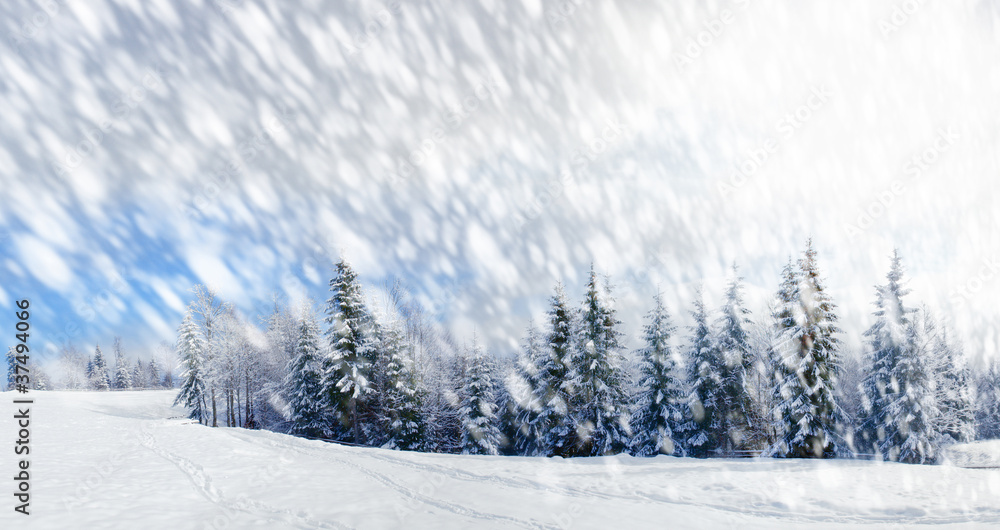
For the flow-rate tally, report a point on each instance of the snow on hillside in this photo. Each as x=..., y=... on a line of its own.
x=130, y=460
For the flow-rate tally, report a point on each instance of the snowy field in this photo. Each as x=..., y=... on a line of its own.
x=129, y=460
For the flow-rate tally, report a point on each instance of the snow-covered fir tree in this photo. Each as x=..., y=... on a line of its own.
x=403, y=400
x=705, y=380
x=138, y=374
x=784, y=350
x=955, y=392
x=811, y=356
x=988, y=403
x=99, y=377
x=732, y=342
x=480, y=427
x=660, y=408
x=168, y=376
x=123, y=375
x=153, y=373
x=524, y=386
x=191, y=351
x=888, y=339
x=558, y=381
x=599, y=407
x=11, y=369
x=305, y=394
x=913, y=409
x=352, y=337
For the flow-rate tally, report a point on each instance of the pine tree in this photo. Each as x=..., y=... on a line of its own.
x=558, y=381
x=403, y=400
x=153, y=373
x=600, y=407
x=11, y=369
x=99, y=378
x=954, y=391
x=138, y=375
x=123, y=377
x=660, y=411
x=480, y=430
x=705, y=379
x=733, y=344
x=889, y=338
x=351, y=335
x=812, y=423
x=527, y=389
x=988, y=404
x=914, y=408
x=168, y=377
x=191, y=350
x=783, y=352
x=305, y=393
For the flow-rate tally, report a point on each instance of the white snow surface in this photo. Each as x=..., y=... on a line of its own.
x=130, y=460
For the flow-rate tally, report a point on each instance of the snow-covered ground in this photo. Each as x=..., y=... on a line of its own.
x=130, y=460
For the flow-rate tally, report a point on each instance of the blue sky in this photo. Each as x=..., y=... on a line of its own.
x=483, y=152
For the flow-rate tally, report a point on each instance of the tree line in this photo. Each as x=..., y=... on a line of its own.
x=96, y=372
x=378, y=372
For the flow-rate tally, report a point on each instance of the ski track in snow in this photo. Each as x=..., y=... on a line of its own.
x=107, y=452
x=904, y=516
x=386, y=481
x=202, y=482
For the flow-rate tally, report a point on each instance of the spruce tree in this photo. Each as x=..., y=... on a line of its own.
x=480, y=430
x=558, y=381
x=705, y=380
x=527, y=389
x=660, y=410
x=191, y=350
x=783, y=351
x=138, y=375
x=404, y=393
x=812, y=423
x=914, y=408
x=99, y=377
x=954, y=391
x=153, y=373
x=351, y=334
x=168, y=377
x=733, y=344
x=600, y=406
x=988, y=404
x=11, y=369
x=305, y=395
x=889, y=338
x=123, y=376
